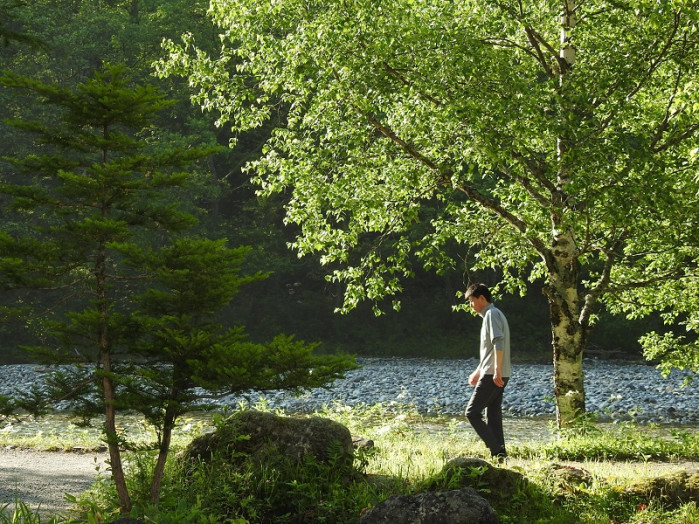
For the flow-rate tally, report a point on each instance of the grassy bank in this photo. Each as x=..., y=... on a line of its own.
x=408, y=456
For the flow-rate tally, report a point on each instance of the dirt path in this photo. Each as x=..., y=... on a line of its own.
x=40, y=479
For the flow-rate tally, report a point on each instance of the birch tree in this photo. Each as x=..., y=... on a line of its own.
x=554, y=140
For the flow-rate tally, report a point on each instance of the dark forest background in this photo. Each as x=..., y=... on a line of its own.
x=69, y=40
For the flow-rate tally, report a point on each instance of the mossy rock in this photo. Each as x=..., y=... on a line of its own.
x=262, y=436
x=462, y=506
x=497, y=485
x=672, y=489
x=568, y=480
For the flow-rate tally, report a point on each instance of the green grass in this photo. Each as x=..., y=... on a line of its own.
x=19, y=513
x=409, y=454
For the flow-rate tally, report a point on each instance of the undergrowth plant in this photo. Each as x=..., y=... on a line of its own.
x=409, y=453
x=625, y=441
x=21, y=513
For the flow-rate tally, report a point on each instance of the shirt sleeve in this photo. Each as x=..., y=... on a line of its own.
x=496, y=330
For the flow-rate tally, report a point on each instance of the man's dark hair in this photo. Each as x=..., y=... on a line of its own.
x=479, y=290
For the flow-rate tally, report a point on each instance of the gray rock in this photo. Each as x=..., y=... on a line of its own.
x=462, y=506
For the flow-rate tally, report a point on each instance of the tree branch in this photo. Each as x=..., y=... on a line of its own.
x=639, y=284
x=526, y=183
x=396, y=74
x=537, y=169
x=445, y=175
x=535, y=39
x=677, y=139
x=662, y=126
x=602, y=284
x=654, y=64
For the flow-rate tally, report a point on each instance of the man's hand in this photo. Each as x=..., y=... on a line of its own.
x=473, y=377
x=497, y=379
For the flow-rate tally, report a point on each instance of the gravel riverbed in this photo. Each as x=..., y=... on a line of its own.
x=615, y=390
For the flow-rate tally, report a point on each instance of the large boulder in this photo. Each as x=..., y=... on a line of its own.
x=462, y=506
x=261, y=436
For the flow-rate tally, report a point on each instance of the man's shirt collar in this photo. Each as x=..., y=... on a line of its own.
x=485, y=309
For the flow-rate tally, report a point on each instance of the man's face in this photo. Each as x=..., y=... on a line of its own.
x=477, y=303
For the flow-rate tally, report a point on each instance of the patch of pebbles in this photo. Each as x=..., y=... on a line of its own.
x=615, y=390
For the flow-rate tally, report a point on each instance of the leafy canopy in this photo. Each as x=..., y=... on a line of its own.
x=414, y=124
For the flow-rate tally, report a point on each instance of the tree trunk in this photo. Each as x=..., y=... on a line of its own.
x=113, y=445
x=135, y=12
x=164, y=448
x=105, y=357
x=108, y=387
x=568, y=334
x=562, y=291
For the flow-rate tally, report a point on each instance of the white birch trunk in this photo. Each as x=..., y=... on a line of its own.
x=568, y=335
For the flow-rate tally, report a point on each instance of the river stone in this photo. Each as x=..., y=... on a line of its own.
x=461, y=506
x=437, y=386
x=261, y=435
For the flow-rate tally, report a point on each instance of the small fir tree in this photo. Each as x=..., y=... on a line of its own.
x=176, y=324
x=93, y=181
x=136, y=305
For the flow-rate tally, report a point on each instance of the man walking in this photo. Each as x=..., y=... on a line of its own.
x=492, y=373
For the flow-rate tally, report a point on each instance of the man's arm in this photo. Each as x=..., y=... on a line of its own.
x=497, y=340
x=497, y=372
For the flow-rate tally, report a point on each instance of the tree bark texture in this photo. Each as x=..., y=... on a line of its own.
x=105, y=358
x=568, y=333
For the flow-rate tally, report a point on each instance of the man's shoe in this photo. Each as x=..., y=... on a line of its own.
x=499, y=456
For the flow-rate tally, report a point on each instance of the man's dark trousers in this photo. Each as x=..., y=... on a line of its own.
x=488, y=397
